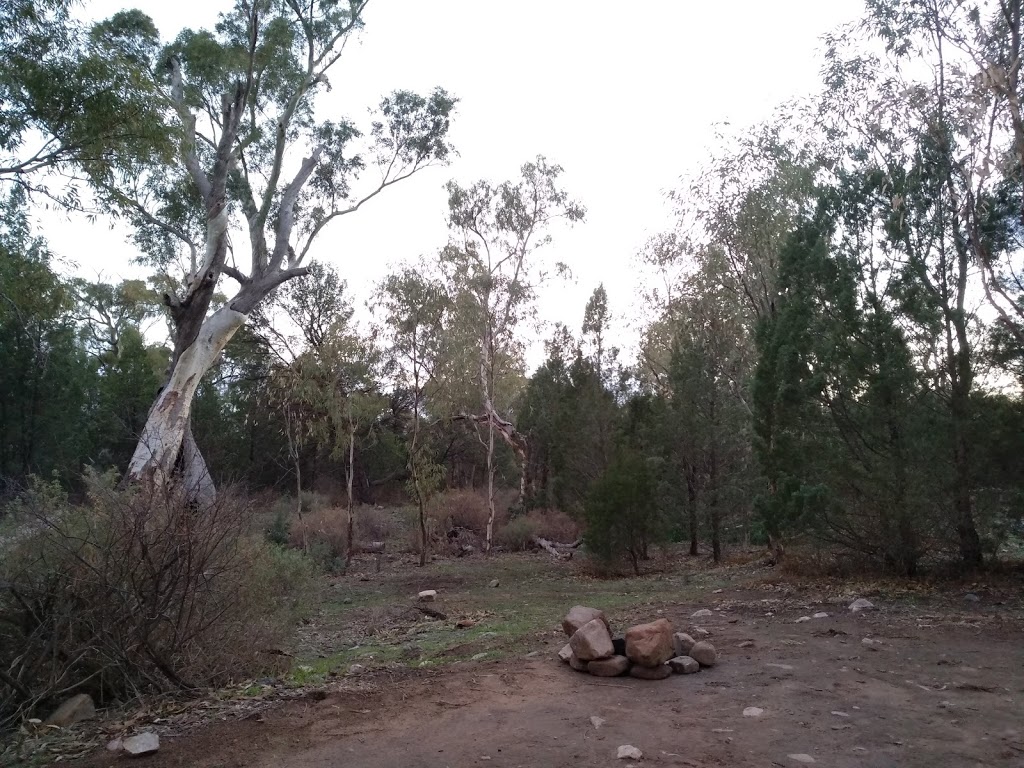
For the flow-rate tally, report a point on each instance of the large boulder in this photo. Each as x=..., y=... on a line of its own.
x=144, y=744
x=705, y=653
x=579, y=615
x=566, y=653
x=74, y=710
x=592, y=641
x=650, y=645
x=613, y=666
x=659, y=672
x=578, y=664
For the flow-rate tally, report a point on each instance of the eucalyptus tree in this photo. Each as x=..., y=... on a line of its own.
x=253, y=164
x=415, y=307
x=492, y=266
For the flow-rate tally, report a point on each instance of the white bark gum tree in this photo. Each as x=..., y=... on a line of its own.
x=239, y=166
x=499, y=228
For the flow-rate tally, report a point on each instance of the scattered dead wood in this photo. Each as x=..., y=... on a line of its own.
x=552, y=548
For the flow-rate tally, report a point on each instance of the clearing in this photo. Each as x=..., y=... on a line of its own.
x=942, y=683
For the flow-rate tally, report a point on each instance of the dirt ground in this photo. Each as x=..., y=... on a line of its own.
x=942, y=685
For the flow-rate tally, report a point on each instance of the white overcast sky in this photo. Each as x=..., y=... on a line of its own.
x=624, y=95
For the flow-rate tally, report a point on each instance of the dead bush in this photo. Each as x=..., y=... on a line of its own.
x=323, y=535
x=373, y=524
x=554, y=524
x=463, y=508
x=517, y=534
x=137, y=592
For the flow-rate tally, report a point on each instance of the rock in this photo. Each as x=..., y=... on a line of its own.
x=532, y=654
x=820, y=615
x=143, y=744
x=746, y=644
x=566, y=653
x=629, y=752
x=478, y=656
x=115, y=745
x=596, y=721
x=347, y=600
x=427, y=595
x=860, y=604
x=74, y=710
x=802, y=619
x=684, y=665
x=871, y=643
x=682, y=643
x=650, y=645
x=717, y=591
x=592, y=641
x=700, y=632
x=610, y=667
x=619, y=643
x=579, y=615
x=802, y=758
x=753, y=712
x=659, y=672
x=494, y=584
x=970, y=597
x=705, y=653
x=701, y=613
x=356, y=669
x=578, y=664
x=837, y=713
x=783, y=667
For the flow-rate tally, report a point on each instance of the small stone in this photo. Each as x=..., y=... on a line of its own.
x=533, y=654
x=701, y=613
x=700, y=632
x=871, y=643
x=802, y=619
x=347, y=600
x=753, y=712
x=746, y=644
x=837, y=713
x=783, y=667
x=802, y=758
x=650, y=673
x=494, y=584
x=610, y=667
x=427, y=595
x=578, y=664
x=592, y=641
x=861, y=604
x=579, y=615
x=74, y=710
x=684, y=665
x=970, y=597
x=717, y=592
x=356, y=669
x=682, y=643
x=629, y=752
x=820, y=615
x=143, y=744
x=650, y=645
x=705, y=653
x=114, y=745
x=565, y=653
x=478, y=656
x=596, y=721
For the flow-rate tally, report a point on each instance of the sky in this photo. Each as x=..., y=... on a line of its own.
x=625, y=96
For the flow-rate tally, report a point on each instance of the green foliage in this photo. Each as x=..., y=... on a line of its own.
x=622, y=512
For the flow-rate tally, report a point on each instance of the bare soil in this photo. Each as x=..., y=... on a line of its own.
x=943, y=685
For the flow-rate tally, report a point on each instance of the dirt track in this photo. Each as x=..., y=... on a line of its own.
x=942, y=689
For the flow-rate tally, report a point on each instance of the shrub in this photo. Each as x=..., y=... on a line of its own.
x=323, y=535
x=516, y=534
x=554, y=524
x=622, y=512
x=137, y=592
x=462, y=508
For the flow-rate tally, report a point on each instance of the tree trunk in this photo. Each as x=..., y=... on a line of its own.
x=691, y=499
x=348, y=484
x=164, y=438
x=490, y=485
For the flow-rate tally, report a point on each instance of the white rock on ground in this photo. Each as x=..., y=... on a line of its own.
x=802, y=758
x=143, y=744
x=592, y=641
x=427, y=595
x=802, y=619
x=820, y=615
x=629, y=752
x=596, y=721
x=701, y=613
x=753, y=712
x=861, y=604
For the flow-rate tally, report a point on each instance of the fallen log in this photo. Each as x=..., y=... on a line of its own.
x=551, y=548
